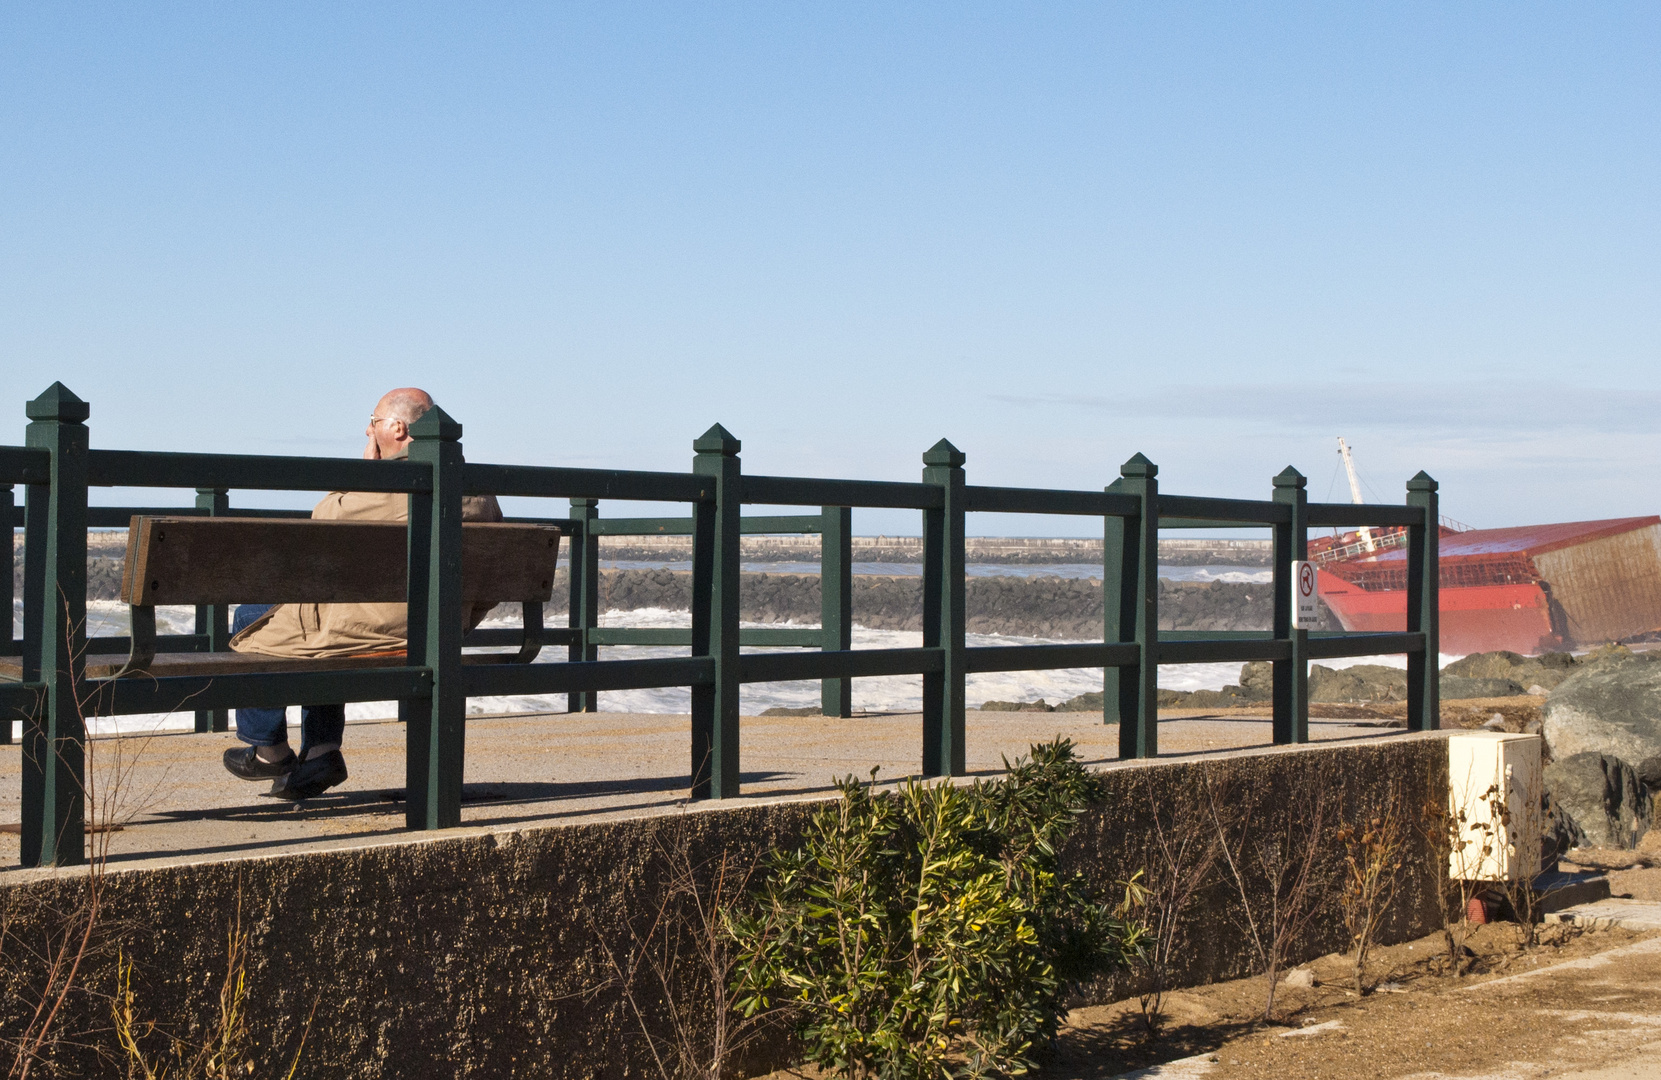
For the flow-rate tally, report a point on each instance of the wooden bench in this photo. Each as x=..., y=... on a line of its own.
x=196, y=560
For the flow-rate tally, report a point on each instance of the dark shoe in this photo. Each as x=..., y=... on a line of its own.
x=311, y=778
x=244, y=762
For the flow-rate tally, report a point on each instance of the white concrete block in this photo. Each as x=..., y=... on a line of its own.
x=1494, y=788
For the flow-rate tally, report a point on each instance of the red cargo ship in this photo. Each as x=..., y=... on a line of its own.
x=1530, y=589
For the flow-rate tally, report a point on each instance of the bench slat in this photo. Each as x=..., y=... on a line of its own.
x=276, y=561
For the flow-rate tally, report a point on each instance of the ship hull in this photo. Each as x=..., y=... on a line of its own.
x=1475, y=618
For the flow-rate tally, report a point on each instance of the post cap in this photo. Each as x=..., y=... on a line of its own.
x=1422, y=481
x=58, y=403
x=1139, y=467
x=1290, y=478
x=435, y=423
x=944, y=453
x=717, y=440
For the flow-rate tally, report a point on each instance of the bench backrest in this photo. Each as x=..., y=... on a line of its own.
x=198, y=560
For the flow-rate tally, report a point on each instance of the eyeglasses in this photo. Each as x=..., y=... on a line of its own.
x=373, y=419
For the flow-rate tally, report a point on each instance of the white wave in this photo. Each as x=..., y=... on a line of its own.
x=1236, y=574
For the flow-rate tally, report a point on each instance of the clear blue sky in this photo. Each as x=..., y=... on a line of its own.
x=1218, y=234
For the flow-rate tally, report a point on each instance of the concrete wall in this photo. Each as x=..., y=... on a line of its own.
x=481, y=955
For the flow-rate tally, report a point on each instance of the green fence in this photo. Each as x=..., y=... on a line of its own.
x=57, y=468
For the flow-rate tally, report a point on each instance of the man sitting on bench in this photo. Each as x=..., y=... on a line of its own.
x=318, y=631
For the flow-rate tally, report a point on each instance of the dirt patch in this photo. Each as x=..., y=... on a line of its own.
x=1517, y=1014
x=1423, y=1022
x=1638, y=884
x=1633, y=875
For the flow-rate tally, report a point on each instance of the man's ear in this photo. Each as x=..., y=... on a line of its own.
x=400, y=431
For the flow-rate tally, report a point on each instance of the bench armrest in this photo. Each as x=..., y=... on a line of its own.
x=533, y=632
x=142, y=652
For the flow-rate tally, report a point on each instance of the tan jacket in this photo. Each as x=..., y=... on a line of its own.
x=311, y=631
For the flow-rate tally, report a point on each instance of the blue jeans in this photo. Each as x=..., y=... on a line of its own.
x=269, y=727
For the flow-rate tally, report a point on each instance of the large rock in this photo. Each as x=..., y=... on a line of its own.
x=1545, y=671
x=1597, y=800
x=1611, y=706
x=1361, y=683
x=1454, y=688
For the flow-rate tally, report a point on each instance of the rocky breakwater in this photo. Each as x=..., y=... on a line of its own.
x=106, y=559
x=1602, y=727
x=1043, y=606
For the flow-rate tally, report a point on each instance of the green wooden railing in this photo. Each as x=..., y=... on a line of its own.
x=56, y=469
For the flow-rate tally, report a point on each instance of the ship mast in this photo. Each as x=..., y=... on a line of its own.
x=1355, y=491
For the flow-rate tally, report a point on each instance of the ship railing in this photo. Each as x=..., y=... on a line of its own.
x=1384, y=541
x=57, y=469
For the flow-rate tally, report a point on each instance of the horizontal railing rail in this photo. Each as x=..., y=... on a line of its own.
x=750, y=526
x=548, y=482
x=432, y=685
x=154, y=469
x=1362, y=515
x=173, y=693
x=988, y=658
x=804, y=491
x=1009, y=500
x=854, y=663
x=25, y=465
x=589, y=676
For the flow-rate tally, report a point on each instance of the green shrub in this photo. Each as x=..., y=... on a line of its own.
x=928, y=931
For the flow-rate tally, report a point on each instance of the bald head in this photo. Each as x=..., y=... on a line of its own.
x=389, y=428
x=406, y=403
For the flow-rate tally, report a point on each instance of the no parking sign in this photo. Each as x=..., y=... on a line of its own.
x=1306, y=596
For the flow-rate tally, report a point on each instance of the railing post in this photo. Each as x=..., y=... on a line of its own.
x=836, y=608
x=1291, y=676
x=1139, y=611
x=1424, y=612
x=944, y=624
x=54, y=742
x=715, y=570
x=584, y=559
x=1117, y=576
x=214, y=620
x=437, y=733
x=8, y=643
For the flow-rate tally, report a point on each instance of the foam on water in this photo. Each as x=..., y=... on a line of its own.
x=896, y=693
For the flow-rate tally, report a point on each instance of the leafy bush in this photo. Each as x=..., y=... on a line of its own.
x=929, y=931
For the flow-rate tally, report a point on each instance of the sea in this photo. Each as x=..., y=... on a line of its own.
x=899, y=693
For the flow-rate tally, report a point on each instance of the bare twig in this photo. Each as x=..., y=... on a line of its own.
x=1276, y=869
x=1374, y=847
x=1180, y=857
x=1463, y=847
x=675, y=968
x=74, y=938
